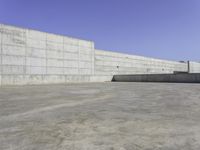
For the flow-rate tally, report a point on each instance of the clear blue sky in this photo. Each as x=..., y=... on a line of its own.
x=168, y=29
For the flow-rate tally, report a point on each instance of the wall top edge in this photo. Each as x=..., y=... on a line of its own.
x=108, y=51
x=144, y=57
x=3, y=24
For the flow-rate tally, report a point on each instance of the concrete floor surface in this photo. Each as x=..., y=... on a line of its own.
x=100, y=116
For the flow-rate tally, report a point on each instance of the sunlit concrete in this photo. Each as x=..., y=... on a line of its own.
x=33, y=57
x=100, y=116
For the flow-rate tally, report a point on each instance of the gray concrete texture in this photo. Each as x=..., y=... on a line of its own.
x=29, y=56
x=100, y=116
x=194, y=67
x=176, y=78
x=113, y=63
x=34, y=57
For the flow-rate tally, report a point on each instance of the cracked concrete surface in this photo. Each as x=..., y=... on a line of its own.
x=100, y=116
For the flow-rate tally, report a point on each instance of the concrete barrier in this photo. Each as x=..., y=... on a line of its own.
x=177, y=78
x=34, y=57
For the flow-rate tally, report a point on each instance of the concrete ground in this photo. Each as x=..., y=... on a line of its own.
x=100, y=116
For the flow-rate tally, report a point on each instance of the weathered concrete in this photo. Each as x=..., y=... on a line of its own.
x=177, y=78
x=103, y=116
x=47, y=79
x=33, y=57
x=29, y=56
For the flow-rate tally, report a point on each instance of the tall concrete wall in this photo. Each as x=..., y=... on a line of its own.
x=29, y=56
x=116, y=63
x=34, y=57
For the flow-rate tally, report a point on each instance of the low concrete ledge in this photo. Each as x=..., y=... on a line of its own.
x=50, y=79
x=177, y=78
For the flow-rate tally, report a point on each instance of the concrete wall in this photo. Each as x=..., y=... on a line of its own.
x=177, y=78
x=29, y=56
x=34, y=57
x=116, y=63
x=194, y=67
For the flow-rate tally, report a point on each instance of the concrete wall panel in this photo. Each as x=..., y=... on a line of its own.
x=55, y=54
x=85, y=64
x=32, y=70
x=70, y=41
x=85, y=71
x=71, y=63
x=55, y=63
x=70, y=71
x=71, y=48
x=71, y=56
x=36, y=35
x=36, y=43
x=55, y=70
x=13, y=36
x=13, y=40
x=13, y=60
x=86, y=57
x=86, y=51
x=13, y=50
x=33, y=61
x=12, y=70
x=35, y=52
x=54, y=46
